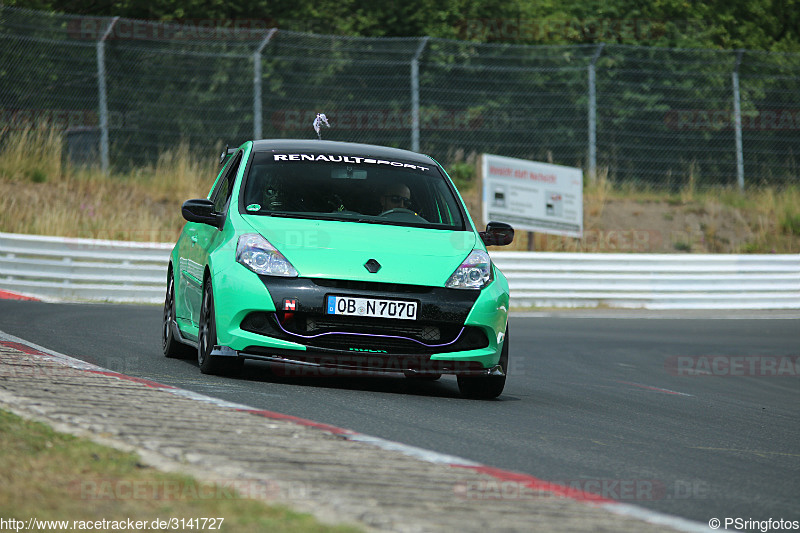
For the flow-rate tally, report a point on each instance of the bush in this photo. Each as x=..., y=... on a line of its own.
x=463, y=175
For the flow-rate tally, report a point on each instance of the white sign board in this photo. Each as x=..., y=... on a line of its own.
x=533, y=196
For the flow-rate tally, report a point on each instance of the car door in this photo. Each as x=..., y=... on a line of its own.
x=202, y=238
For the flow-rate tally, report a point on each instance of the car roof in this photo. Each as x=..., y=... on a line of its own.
x=336, y=147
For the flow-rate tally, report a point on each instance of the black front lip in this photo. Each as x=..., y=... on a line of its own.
x=318, y=361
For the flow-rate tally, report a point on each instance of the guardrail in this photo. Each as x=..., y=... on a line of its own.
x=652, y=281
x=62, y=268
x=117, y=271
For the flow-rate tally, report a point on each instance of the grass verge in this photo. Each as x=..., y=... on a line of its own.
x=52, y=476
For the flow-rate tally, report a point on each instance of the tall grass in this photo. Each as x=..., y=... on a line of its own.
x=42, y=193
x=31, y=155
x=596, y=194
x=776, y=217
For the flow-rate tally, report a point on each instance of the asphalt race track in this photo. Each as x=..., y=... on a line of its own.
x=624, y=407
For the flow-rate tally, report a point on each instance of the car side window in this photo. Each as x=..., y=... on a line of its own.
x=222, y=194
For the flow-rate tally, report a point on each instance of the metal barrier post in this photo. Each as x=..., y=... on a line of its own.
x=737, y=120
x=102, y=97
x=593, y=115
x=415, y=95
x=257, y=113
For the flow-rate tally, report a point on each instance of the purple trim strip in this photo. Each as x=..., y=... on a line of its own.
x=370, y=335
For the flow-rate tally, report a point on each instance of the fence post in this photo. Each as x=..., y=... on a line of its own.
x=415, y=95
x=737, y=121
x=102, y=97
x=593, y=114
x=257, y=113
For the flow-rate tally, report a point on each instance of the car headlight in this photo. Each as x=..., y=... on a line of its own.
x=256, y=253
x=474, y=273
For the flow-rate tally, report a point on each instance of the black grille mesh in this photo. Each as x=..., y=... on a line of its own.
x=354, y=334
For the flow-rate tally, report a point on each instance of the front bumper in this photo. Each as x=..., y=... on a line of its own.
x=283, y=320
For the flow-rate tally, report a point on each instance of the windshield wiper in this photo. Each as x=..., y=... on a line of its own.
x=284, y=214
x=317, y=216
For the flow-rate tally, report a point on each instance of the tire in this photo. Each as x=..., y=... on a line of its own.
x=207, y=339
x=172, y=347
x=486, y=387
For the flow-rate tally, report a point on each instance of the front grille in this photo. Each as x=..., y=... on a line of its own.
x=437, y=305
x=371, y=286
x=373, y=335
x=424, y=332
x=350, y=342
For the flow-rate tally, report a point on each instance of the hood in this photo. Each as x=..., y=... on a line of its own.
x=339, y=250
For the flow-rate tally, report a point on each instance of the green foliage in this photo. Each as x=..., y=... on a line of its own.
x=763, y=25
x=790, y=223
x=463, y=175
x=528, y=102
x=38, y=175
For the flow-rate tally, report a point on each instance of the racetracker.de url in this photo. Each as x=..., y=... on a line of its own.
x=12, y=524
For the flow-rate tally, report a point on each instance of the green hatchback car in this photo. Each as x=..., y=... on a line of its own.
x=330, y=258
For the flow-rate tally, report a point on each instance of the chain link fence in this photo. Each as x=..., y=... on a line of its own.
x=125, y=90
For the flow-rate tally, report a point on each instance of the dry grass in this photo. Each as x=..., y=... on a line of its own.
x=40, y=194
x=31, y=155
x=622, y=219
x=776, y=220
x=689, y=190
x=596, y=194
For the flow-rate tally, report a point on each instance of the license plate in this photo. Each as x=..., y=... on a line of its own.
x=371, y=307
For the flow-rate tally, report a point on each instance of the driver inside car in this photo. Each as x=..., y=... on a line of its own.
x=395, y=196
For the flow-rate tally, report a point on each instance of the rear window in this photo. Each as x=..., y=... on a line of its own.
x=350, y=188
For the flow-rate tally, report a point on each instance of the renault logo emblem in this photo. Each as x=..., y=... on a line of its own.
x=372, y=266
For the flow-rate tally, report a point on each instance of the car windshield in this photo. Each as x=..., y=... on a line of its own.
x=350, y=188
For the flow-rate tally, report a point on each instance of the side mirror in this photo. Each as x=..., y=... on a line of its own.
x=202, y=211
x=497, y=234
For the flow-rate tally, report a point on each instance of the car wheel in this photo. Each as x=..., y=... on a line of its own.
x=486, y=387
x=172, y=348
x=207, y=339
